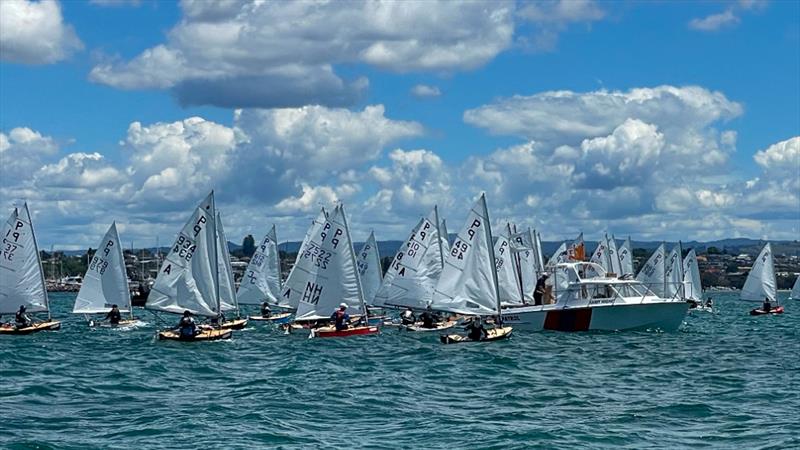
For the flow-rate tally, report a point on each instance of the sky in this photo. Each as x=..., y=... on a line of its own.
x=658, y=120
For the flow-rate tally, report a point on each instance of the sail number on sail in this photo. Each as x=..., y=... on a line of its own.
x=460, y=247
x=11, y=247
x=649, y=269
x=98, y=264
x=411, y=256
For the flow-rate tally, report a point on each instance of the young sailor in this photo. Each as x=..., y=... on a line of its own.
x=340, y=317
x=408, y=317
x=475, y=330
x=709, y=303
x=767, y=305
x=187, y=326
x=22, y=319
x=539, y=291
x=265, y=311
x=114, y=316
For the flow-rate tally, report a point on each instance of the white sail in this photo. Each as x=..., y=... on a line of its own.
x=468, y=281
x=412, y=276
x=626, y=258
x=561, y=255
x=540, y=262
x=21, y=277
x=613, y=255
x=673, y=274
x=760, y=283
x=227, y=288
x=287, y=300
x=691, y=277
x=262, y=279
x=328, y=274
x=105, y=282
x=369, y=268
x=523, y=248
x=653, y=271
x=795, y=294
x=599, y=257
x=507, y=276
x=187, y=279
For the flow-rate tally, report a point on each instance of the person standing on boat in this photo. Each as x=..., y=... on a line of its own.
x=540, y=290
x=187, y=327
x=340, y=317
x=429, y=318
x=767, y=305
x=475, y=329
x=114, y=316
x=22, y=319
x=265, y=311
x=408, y=317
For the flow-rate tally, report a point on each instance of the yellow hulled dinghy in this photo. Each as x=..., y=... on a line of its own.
x=22, y=288
x=494, y=334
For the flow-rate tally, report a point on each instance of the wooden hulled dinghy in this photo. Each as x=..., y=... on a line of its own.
x=128, y=323
x=214, y=334
x=50, y=325
x=235, y=324
x=495, y=334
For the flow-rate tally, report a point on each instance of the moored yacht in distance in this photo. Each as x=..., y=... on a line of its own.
x=600, y=303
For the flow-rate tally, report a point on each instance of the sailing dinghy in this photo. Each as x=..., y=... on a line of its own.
x=188, y=280
x=795, y=294
x=21, y=275
x=325, y=275
x=468, y=283
x=262, y=279
x=761, y=283
x=106, y=282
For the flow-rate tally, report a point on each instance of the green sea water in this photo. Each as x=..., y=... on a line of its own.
x=725, y=380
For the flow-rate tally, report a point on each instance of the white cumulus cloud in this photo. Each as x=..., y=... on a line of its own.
x=34, y=32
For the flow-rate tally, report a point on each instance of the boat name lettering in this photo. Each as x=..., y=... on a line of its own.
x=604, y=301
x=510, y=318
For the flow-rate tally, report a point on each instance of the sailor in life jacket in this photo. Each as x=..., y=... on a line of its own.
x=340, y=317
x=408, y=317
x=187, y=326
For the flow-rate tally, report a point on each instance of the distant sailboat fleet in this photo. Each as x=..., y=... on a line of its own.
x=491, y=283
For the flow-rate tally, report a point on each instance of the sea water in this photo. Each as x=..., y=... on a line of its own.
x=724, y=380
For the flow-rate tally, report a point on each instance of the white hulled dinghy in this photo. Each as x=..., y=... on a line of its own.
x=105, y=283
x=761, y=285
x=327, y=278
x=262, y=280
x=21, y=275
x=188, y=279
x=468, y=284
x=227, y=290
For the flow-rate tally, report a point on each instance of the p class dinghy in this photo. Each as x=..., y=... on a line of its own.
x=227, y=292
x=761, y=284
x=189, y=278
x=21, y=275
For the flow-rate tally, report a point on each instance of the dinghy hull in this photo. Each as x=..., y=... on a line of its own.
x=666, y=316
x=35, y=328
x=761, y=312
x=421, y=329
x=205, y=335
x=275, y=318
x=331, y=332
x=495, y=334
x=235, y=324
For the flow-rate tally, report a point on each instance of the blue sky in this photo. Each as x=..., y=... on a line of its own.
x=656, y=119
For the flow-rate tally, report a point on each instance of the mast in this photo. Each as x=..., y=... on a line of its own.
x=39, y=260
x=439, y=234
x=124, y=270
x=355, y=266
x=681, y=286
x=216, y=257
x=491, y=256
x=664, y=272
x=277, y=256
